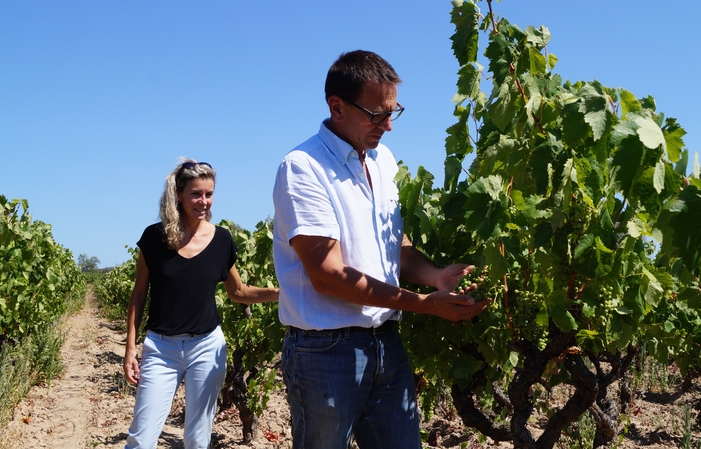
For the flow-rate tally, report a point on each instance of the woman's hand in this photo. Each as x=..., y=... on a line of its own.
x=131, y=368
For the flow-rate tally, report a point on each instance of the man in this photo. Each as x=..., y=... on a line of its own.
x=339, y=252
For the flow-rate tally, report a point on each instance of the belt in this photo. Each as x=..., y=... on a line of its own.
x=183, y=335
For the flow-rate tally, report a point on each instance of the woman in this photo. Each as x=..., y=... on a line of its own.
x=182, y=259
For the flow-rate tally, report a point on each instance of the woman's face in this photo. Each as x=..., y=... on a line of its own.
x=196, y=198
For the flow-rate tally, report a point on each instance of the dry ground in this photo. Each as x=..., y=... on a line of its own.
x=90, y=406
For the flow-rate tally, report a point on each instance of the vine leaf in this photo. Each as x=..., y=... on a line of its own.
x=687, y=228
x=559, y=313
x=649, y=132
x=592, y=258
x=652, y=288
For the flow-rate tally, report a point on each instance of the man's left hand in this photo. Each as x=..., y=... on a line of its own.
x=449, y=276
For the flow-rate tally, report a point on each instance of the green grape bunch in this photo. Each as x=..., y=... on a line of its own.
x=608, y=301
x=580, y=216
x=525, y=306
x=479, y=285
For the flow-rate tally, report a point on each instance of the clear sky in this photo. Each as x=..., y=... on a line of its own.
x=99, y=98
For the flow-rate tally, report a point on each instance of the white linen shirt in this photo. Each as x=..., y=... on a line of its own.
x=321, y=190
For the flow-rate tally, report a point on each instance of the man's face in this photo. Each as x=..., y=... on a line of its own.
x=353, y=125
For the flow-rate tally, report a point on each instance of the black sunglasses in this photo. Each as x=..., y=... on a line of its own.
x=190, y=165
x=378, y=117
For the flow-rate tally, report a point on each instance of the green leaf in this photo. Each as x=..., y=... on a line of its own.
x=453, y=170
x=595, y=107
x=465, y=17
x=537, y=60
x=458, y=141
x=538, y=37
x=574, y=128
x=543, y=234
x=645, y=190
x=559, y=313
x=649, y=132
x=469, y=81
x=652, y=288
x=502, y=110
x=687, y=227
x=484, y=206
x=673, y=139
x=543, y=158
x=498, y=265
x=659, y=177
x=635, y=227
x=513, y=358
x=592, y=258
x=628, y=103
x=627, y=161
x=692, y=295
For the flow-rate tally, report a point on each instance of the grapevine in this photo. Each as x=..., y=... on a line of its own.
x=576, y=200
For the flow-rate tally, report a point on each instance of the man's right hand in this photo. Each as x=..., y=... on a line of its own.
x=454, y=307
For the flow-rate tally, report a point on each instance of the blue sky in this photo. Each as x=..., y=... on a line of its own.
x=99, y=98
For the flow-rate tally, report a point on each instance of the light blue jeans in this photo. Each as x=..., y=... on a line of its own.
x=350, y=381
x=166, y=361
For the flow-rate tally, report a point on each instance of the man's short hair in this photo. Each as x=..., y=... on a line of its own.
x=348, y=75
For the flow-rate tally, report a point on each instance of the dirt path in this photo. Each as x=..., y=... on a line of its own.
x=70, y=411
x=91, y=405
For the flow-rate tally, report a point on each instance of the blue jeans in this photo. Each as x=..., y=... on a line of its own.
x=350, y=381
x=166, y=361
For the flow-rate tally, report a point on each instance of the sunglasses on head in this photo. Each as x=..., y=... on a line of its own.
x=189, y=165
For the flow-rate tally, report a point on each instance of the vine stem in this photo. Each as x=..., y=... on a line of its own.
x=613, y=105
x=491, y=15
x=506, y=299
x=506, y=284
x=522, y=93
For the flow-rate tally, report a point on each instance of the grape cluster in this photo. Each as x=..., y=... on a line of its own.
x=580, y=216
x=525, y=306
x=607, y=301
x=485, y=287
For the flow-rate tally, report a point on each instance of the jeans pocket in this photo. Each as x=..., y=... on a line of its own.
x=317, y=341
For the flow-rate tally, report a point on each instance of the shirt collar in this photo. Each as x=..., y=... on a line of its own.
x=339, y=147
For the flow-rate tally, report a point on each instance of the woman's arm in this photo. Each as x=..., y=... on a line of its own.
x=135, y=313
x=247, y=294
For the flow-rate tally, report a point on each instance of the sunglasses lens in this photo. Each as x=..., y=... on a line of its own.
x=190, y=165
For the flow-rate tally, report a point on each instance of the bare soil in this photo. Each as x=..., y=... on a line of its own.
x=90, y=406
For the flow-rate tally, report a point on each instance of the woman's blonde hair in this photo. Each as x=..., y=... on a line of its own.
x=170, y=209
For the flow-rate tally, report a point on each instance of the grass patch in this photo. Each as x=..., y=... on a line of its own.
x=36, y=360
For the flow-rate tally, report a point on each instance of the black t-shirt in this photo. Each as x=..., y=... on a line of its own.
x=183, y=290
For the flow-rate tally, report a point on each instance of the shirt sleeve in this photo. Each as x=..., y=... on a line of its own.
x=231, y=252
x=302, y=200
x=146, y=243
